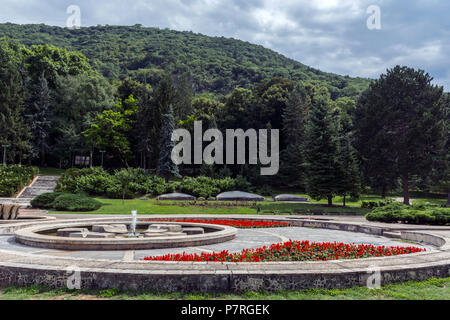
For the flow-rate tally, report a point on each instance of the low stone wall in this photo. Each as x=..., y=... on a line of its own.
x=22, y=269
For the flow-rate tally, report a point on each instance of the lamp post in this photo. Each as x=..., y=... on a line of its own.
x=102, y=152
x=4, y=146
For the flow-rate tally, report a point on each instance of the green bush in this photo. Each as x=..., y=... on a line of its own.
x=15, y=177
x=115, y=192
x=98, y=182
x=206, y=187
x=44, y=201
x=75, y=202
x=421, y=214
x=72, y=180
x=376, y=204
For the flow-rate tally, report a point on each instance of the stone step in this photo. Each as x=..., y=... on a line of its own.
x=48, y=178
x=43, y=184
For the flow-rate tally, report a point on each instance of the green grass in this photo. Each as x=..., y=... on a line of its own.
x=440, y=199
x=115, y=206
x=50, y=171
x=432, y=289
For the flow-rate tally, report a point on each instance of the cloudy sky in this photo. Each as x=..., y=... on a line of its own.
x=331, y=35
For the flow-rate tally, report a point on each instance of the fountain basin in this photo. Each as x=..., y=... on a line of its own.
x=44, y=236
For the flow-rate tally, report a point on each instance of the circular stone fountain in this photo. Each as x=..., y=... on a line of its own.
x=119, y=235
x=103, y=269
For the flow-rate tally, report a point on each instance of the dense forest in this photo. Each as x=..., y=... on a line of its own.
x=111, y=96
x=212, y=64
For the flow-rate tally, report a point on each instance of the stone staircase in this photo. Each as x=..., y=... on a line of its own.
x=43, y=184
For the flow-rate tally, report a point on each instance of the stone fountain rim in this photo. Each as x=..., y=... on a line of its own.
x=26, y=268
x=30, y=236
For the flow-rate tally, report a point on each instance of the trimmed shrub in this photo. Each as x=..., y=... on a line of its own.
x=69, y=180
x=96, y=181
x=376, y=204
x=44, y=201
x=397, y=212
x=115, y=192
x=75, y=202
x=206, y=187
x=15, y=177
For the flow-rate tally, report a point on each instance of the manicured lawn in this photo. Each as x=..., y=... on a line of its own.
x=115, y=206
x=433, y=289
x=50, y=171
x=338, y=200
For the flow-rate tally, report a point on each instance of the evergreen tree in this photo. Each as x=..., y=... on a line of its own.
x=14, y=130
x=39, y=118
x=166, y=167
x=440, y=179
x=164, y=96
x=321, y=152
x=400, y=126
x=294, y=119
x=349, y=175
x=142, y=129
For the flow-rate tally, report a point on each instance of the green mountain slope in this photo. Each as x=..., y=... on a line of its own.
x=214, y=64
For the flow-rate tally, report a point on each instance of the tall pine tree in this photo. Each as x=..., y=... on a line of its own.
x=167, y=168
x=349, y=175
x=400, y=120
x=39, y=118
x=294, y=120
x=321, y=152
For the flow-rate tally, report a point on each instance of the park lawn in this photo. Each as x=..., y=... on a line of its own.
x=115, y=206
x=440, y=199
x=44, y=171
x=432, y=289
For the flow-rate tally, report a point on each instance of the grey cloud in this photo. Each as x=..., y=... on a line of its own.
x=327, y=34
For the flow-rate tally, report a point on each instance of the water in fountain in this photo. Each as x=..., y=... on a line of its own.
x=133, y=224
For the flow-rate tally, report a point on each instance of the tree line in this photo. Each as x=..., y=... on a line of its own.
x=54, y=106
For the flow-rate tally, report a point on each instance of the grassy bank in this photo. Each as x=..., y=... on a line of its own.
x=433, y=289
x=115, y=206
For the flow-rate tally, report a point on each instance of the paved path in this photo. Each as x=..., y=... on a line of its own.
x=246, y=239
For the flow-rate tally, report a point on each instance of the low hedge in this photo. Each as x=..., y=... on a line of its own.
x=376, y=204
x=98, y=182
x=65, y=202
x=75, y=202
x=45, y=200
x=420, y=214
x=15, y=177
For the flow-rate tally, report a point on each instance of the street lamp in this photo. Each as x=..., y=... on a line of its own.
x=102, y=152
x=4, y=146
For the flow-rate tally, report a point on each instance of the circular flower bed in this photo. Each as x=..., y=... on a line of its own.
x=293, y=251
x=242, y=224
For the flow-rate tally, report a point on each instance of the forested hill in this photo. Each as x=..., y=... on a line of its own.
x=214, y=64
